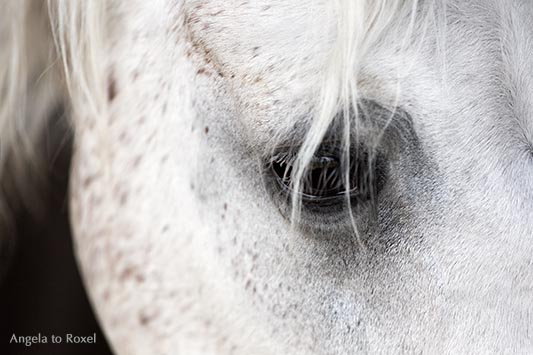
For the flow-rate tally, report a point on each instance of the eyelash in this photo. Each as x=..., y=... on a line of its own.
x=324, y=181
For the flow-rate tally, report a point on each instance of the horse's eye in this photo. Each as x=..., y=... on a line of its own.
x=325, y=182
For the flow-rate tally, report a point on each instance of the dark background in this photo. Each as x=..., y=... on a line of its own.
x=42, y=291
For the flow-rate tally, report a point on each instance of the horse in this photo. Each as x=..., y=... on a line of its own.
x=275, y=177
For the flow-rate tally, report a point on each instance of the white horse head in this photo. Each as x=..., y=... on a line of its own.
x=301, y=177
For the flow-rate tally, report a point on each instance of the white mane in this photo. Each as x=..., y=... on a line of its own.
x=44, y=46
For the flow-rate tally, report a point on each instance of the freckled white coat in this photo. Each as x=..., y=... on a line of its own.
x=183, y=250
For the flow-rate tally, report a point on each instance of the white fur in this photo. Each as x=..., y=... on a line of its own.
x=175, y=104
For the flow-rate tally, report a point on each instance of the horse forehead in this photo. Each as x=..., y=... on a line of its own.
x=253, y=35
x=264, y=37
x=268, y=53
x=273, y=53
